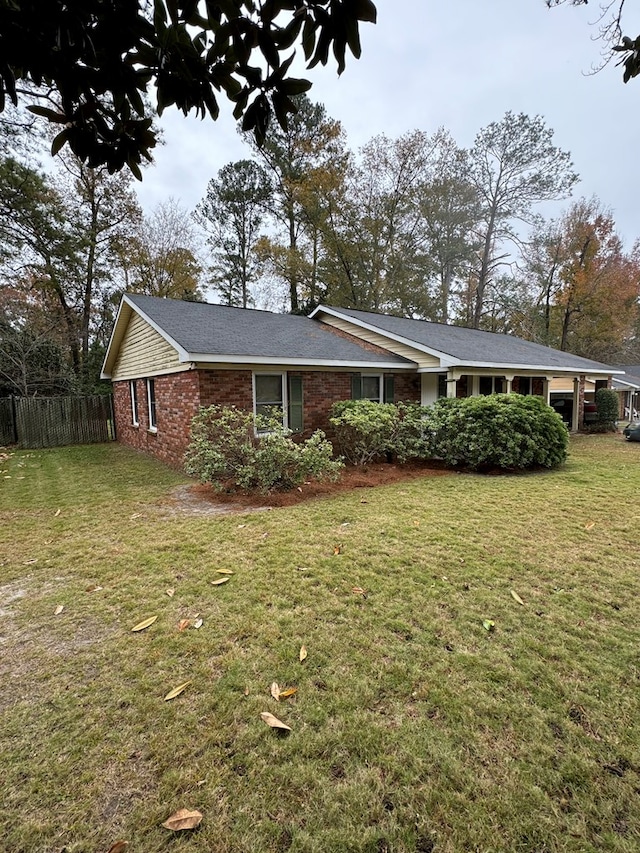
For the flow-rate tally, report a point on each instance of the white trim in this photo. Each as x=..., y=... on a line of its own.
x=153, y=427
x=283, y=390
x=380, y=378
x=204, y=358
x=135, y=420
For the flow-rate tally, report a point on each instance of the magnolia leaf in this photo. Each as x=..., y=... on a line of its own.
x=275, y=691
x=118, y=847
x=303, y=653
x=224, y=572
x=290, y=691
x=274, y=722
x=219, y=581
x=171, y=592
x=183, y=623
x=516, y=597
x=58, y=610
x=590, y=525
x=183, y=819
x=198, y=623
x=488, y=624
x=172, y=695
x=144, y=624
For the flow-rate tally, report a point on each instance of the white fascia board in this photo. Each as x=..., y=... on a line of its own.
x=409, y=342
x=537, y=368
x=272, y=361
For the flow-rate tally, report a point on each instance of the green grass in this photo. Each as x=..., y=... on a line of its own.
x=413, y=727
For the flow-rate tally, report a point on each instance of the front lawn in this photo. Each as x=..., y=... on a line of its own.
x=434, y=711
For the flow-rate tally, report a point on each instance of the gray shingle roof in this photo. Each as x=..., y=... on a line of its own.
x=631, y=373
x=472, y=346
x=218, y=330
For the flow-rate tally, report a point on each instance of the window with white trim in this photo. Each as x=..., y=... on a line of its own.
x=269, y=396
x=371, y=388
x=151, y=401
x=134, y=403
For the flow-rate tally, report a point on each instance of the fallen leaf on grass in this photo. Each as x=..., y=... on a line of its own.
x=183, y=623
x=118, y=847
x=224, y=572
x=58, y=610
x=358, y=590
x=275, y=691
x=290, y=691
x=198, y=623
x=488, y=624
x=516, y=597
x=337, y=549
x=171, y=592
x=303, y=653
x=274, y=722
x=219, y=581
x=183, y=819
x=590, y=525
x=172, y=695
x=136, y=515
x=144, y=624
x=93, y=589
x=56, y=513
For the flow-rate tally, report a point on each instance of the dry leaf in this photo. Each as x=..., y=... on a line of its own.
x=118, y=847
x=246, y=691
x=274, y=722
x=240, y=526
x=290, y=691
x=303, y=653
x=590, y=525
x=144, y=624
x=275, y=691
x=224, y=571
x=172, y=695
x=183, y=819
x=171, y=592
x=183, y=623
x=219, y=581
x=516, y=597
x=136, y=515
x=363, y=501
x=93, y=589
x=58, y=610
x=357, y=590
x=337, y=549
x=56, y=513
x=198, y=623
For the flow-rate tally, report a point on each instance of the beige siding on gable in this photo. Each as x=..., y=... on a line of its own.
x=423, y=359
x=144, y=352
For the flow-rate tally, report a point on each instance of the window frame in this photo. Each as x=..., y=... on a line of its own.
x=282, y=374
x=133, y=395
x=152, y=405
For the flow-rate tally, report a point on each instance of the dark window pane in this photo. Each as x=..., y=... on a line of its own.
x=269, y=390
x=371, y=388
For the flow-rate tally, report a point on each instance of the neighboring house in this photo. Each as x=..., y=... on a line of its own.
x=628, y=390
x=167, y=358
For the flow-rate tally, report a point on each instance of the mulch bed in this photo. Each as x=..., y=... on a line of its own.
x=352, y=477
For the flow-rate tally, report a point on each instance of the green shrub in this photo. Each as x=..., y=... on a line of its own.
x=607, y=408
x=226, y=451
x=499, y=431
x=366, y=431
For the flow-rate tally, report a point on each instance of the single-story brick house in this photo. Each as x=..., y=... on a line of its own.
x=167, y=357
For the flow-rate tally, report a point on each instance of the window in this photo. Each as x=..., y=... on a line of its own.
x=134, y=403
x=268, y=395
x=151, y=399
x=376, y=388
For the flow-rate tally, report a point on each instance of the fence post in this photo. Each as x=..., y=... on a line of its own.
x=14, y=419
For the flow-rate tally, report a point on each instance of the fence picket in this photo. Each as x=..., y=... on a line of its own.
x=35, y=422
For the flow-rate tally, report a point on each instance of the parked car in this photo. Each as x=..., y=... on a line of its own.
x=632, y=432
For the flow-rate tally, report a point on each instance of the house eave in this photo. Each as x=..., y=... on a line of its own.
x=208, y=358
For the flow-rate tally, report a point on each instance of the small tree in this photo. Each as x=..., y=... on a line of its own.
x=607, y=407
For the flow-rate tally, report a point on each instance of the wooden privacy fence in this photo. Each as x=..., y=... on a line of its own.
x=33, y=422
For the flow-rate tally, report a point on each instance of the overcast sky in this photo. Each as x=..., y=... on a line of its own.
x=459, y=64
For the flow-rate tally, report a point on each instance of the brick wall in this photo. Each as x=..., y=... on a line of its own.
x=179, y=395
x=176, y=403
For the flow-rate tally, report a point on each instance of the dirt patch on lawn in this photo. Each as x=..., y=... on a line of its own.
x=198, y=499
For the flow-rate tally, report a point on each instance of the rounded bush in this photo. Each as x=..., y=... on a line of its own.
x=506, y=431
x=607, y=410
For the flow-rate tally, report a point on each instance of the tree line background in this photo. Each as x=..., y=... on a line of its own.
x=415, y=226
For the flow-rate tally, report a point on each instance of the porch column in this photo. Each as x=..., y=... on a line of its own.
x=577, y=417
x=508, y=383
x=475, y=385
x=451, y=383
x=546, y=391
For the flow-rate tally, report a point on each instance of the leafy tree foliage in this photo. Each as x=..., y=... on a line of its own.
x=91, y=62
x=232, y=213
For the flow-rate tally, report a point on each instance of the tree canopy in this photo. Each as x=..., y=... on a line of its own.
x=90, y=64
